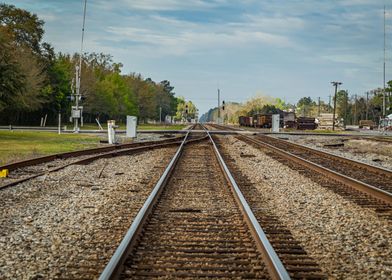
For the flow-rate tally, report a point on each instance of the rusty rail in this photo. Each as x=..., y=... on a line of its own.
x=353, y=183
x=115, y=265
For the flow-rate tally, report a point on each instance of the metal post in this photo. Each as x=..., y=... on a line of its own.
x=160, y=115
x=79, y=71
x=383, y=98
x=59, y=123
x=319, y=106
x=367, y=105
x=218, y=106
x=355, y=110
x=335, y=84
x=76, y=126
x=329, y=103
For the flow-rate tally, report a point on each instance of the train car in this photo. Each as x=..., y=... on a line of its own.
x=241, y=120
x=249, y=121
x=262, y=120
x=245, y=121
x=288, y=120
x=303, y=123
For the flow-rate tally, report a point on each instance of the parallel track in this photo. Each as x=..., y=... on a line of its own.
x=75, y=154
x=375, y=176
x=20, y=174
x=376, y=196
x=294, y=257
x=195, y=224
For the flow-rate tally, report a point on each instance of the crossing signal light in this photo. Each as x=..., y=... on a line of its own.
x=186, y=109
x=223, y=105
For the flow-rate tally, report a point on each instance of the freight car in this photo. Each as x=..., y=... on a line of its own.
x=262, y=120
x=303, y=123
x=245, y=121
x=287, y=120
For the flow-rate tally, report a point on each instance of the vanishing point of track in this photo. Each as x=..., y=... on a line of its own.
x=195, y=223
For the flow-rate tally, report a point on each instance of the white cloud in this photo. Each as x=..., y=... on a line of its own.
x=162, y=5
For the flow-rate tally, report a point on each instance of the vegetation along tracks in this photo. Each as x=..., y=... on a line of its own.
x=33, y=168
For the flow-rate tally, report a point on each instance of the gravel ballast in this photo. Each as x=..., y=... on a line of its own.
x=67, y=224
x=364, y=150
x=348, y=241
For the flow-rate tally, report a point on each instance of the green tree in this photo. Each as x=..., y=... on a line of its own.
x=12, y=77
x=342, y=105
x=305, y=106
x=24, y=26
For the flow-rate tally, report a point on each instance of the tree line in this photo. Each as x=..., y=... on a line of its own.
x=350, y=108
x=36, y=81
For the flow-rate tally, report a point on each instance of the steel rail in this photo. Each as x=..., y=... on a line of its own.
x=43, y=159
x=351, y=182
x=362, y=186
x=38, y=160
x=114, y=266
x=275, y=265
x=95, y=157
x=357, y=163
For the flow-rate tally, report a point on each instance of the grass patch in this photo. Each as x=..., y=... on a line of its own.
x=122, y=126
x=21, y=145
x=161, y=127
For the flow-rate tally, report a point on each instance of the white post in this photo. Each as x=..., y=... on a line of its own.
x=59, y=123
x=99, y=124
x=131, y=126
x=160, y=115
x=111, y=133
x=46, y=115
x=275, y=122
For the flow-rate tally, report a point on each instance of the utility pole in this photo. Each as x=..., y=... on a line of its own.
x=355, y=110
x=345, y=108
x=367, y=105
x=335, y=84
x=383, y=98
x=319, y=106
x=78, y=113
x=160, y=114
x=218, y=106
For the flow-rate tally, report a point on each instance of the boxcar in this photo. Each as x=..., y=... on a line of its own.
x=306, y=123
x=245, y=121
x=262, y=120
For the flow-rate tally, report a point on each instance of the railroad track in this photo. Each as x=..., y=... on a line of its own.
x=30, y=172
x=29, y=169
x=86, y=152
x=196, y=223
x=368, y=186
x=375, y=176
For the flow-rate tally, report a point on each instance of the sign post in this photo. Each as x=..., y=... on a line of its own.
x=275, y=122
x=131, y=126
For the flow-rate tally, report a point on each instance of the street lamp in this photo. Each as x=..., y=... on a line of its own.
x=335, y=84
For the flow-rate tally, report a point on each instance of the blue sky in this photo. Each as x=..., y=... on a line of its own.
x=285, y=49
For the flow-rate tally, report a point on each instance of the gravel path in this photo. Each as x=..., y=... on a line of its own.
x=52, y=231
x=349, y=242
x=367, y=151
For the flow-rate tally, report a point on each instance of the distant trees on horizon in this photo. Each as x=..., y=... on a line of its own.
x=36, y=81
